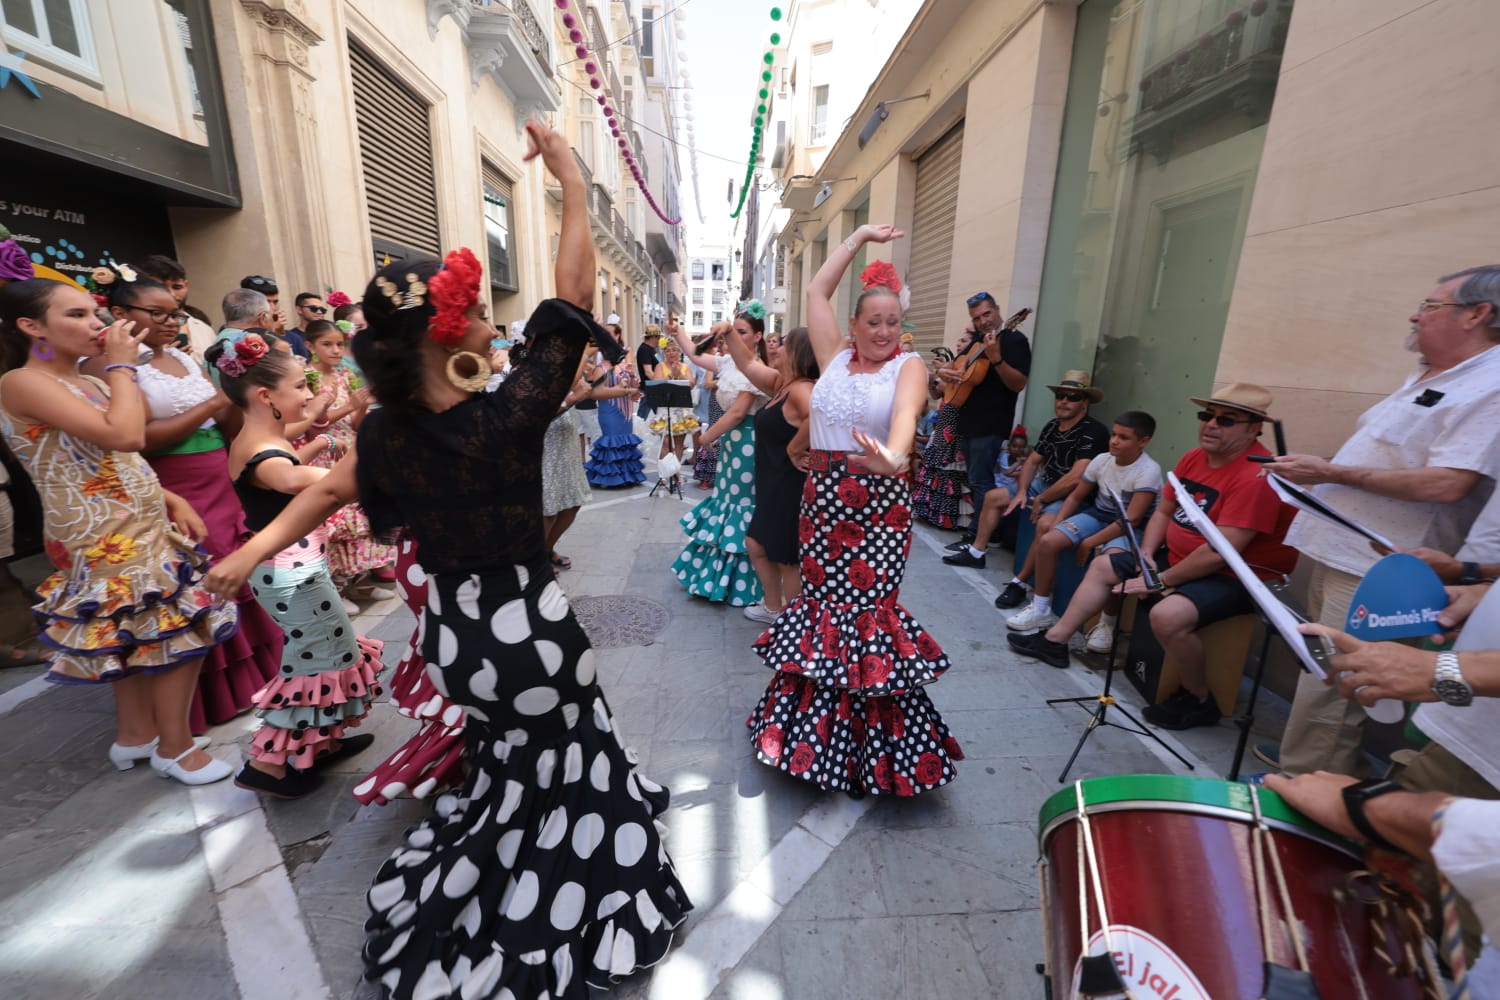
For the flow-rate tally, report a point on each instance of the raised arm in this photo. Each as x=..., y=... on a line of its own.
x=822, y=324
x=761, y=375
x=576, y=268
x=708, y=359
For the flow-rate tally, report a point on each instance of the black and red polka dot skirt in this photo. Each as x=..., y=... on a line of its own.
x=847, y=708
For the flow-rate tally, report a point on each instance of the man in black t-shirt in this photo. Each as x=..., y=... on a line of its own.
x=987, y=416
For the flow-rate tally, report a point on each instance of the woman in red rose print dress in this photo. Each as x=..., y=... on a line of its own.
x=847, y=709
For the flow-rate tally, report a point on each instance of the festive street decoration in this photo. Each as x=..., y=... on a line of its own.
x=761, y=109
x=10, y=67
x=612, y=120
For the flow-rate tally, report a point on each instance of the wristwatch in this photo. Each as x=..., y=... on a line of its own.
x=1448, y=681
x=1468, y=574
x=1355, y=797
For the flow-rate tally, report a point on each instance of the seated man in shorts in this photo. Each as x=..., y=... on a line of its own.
x=1194, y=587
x=1089, y=520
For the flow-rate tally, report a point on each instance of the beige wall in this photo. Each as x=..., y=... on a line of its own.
x=1378, y=175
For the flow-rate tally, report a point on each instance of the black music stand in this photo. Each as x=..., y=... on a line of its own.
x=668, y=395
x=1100, y=715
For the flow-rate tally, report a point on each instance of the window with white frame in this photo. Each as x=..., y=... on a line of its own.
x=586, y=131
x=817, y=130
x=697, y=270
x=698, y=296
x=53, y=31
x=697, y=320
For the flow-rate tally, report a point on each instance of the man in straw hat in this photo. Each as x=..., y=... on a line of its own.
x=1417, y=470
x=1055, y=466
x=1194, y=587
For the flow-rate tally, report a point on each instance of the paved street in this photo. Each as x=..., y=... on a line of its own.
x=130, y=887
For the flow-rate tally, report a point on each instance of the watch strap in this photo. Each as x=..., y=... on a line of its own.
x=1469, y=574
x=1355, y=797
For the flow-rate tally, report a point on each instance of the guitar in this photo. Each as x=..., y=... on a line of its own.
x=974, y=365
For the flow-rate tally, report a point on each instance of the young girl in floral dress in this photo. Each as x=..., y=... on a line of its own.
x=352, y=552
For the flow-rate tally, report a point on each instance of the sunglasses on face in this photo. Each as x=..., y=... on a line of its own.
x=1071, y=397
x=161, y=315
x=1222, y=419
x=316, y=310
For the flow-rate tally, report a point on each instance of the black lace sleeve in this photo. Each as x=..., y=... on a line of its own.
x=386, y=519
x=556, y=334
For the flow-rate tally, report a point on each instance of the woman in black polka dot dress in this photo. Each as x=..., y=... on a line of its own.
x=326, y=679
x=847, y=708
x=544, y=873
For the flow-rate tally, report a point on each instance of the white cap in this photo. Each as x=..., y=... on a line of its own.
x=612, y=318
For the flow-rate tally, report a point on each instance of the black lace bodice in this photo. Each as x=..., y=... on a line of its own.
x=467, y=482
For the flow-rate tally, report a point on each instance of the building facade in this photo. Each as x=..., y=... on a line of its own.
x=712, y=292
x=313, y=140
x=1188, y=192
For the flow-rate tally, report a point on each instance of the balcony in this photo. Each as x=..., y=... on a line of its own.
x=614, y=238
x=508, y=43
x=1230, y=69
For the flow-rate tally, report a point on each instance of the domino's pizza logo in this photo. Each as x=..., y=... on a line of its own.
x=1358, y=618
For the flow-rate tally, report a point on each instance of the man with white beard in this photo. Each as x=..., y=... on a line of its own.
x=1419, y=467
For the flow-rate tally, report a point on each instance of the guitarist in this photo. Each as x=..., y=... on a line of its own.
x=985, y=419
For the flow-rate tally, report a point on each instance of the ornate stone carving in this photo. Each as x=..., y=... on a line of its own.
x=459, y=10
x=287, y=17
x=484, y=59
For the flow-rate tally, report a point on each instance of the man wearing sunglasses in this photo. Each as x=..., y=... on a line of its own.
x=985, y=419
x=1193, y=586
x=1417, y=470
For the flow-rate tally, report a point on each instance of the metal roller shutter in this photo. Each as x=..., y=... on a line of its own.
x=395, y=155
x=933, y=218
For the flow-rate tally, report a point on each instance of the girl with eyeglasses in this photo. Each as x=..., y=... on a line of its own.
x=187, y=446
x=125, y=606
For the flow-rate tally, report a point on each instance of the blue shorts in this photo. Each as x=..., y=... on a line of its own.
x=1035, y=490
x=1087, y=523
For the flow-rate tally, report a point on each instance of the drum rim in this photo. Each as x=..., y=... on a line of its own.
x=1183, y=794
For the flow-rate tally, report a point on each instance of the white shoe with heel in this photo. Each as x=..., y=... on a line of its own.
x=124, y=758
x=214, y=770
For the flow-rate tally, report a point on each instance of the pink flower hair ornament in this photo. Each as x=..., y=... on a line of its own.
x=246, y=353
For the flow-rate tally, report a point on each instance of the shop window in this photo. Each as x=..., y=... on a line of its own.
x=53, y=31
x=499, y=229
x=1162, y=135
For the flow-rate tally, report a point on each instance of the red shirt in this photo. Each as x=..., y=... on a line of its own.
x=1233, y=496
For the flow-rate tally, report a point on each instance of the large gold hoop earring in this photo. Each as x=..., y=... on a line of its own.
x=477, y=379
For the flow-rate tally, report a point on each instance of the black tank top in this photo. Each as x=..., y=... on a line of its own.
x=261, y=505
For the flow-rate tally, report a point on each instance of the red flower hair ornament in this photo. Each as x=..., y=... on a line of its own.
x=246, y=353
x=452, y=291
x=880, y=274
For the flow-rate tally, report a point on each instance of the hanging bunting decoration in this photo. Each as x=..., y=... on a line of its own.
x=613, y=120
x=761, y=109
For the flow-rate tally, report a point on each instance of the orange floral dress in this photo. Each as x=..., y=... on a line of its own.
x=127, y=595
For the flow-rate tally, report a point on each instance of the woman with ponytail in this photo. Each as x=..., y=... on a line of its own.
x=125, y=606
x=715, y=564
x=327, y=677
x=846, y=708
x=544, y=874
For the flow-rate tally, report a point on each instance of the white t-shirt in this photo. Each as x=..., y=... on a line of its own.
x=1483, y=542
x=1446, y=420
x=1471, y=733
x=1141, y=475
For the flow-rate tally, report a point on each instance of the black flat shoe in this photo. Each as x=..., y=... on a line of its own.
x=295, y=785
x=963, y=557
x=348, y=747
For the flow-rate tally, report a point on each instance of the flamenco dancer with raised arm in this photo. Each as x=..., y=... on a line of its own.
x=847, y=709
x=544, y=873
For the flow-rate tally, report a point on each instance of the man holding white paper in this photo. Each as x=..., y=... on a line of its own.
x=1417, y=471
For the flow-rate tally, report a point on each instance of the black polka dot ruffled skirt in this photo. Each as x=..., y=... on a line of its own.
x=847, y=709
x=545, y=873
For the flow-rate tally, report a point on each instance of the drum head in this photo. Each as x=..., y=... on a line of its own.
x=1229, y=800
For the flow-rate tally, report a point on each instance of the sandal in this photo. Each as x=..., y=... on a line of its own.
x=561, y=562
x=21, y=656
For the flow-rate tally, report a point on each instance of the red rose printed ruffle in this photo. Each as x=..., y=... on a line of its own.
x=876, y=651
x=301, y=715
x=842, y=741
x=940, y=488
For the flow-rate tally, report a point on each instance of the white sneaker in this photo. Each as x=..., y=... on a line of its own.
x=1101, y=638
x=1029, y=619
x=350, y=608
x=758, y=612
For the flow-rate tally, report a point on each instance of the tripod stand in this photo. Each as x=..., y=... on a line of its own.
x=669, y=396
x=1100, y=715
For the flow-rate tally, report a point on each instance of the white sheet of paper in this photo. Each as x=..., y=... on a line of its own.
x=1304, y=500
x=1278, y=614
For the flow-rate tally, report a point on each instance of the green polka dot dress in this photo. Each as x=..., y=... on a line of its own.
x=715, y=563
